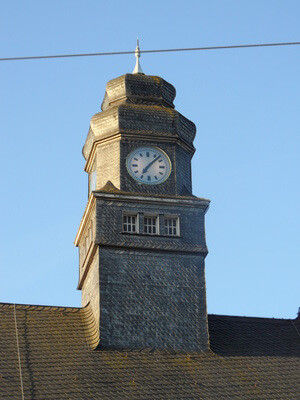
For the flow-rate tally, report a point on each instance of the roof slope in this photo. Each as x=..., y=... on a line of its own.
x=252, y=358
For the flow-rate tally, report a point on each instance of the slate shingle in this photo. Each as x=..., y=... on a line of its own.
x=250, y=358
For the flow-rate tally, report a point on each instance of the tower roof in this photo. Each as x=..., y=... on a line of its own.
x=138, y=89
x=139, y=104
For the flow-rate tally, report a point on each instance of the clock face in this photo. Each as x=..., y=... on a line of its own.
x=149, y=165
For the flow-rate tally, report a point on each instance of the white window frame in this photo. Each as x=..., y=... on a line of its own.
x=148, y=228
x=168, y=227
x=127, y=223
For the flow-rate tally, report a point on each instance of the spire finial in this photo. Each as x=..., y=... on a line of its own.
x=137, y=68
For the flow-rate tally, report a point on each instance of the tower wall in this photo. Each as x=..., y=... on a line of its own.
x=142, y=237
x=146, y=290
x=152, y=299
x=91, y=289
x=108, y=164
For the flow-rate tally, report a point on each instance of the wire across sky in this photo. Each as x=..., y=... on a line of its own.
x=115, y=53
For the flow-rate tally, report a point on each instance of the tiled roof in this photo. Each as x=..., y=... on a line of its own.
x=246, y=336
x=251, y=358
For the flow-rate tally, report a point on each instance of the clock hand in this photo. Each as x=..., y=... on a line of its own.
x=147, y=167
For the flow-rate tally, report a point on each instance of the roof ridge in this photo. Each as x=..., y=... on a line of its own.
x=38, y=306
x=245, y=318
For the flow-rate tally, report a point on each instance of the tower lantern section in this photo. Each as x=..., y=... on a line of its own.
x=137, y=125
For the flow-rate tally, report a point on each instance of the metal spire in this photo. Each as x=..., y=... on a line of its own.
x=137, y=68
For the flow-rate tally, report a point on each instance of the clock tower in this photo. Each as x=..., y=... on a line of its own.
x=142, y=237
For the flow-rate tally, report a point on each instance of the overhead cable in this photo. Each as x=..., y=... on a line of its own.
x=115, y=53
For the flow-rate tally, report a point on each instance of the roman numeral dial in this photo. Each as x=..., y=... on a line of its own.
x=148, y=165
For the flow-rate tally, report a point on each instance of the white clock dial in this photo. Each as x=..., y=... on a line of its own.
x=149, y=165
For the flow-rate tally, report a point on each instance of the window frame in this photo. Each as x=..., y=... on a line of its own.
x=130, y=214
x=177, y=227
x=151, y=216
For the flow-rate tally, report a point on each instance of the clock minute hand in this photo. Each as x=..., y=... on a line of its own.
x=147, y=167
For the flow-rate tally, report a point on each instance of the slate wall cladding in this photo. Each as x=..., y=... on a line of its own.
x=179, y=178
x=144, y=290
x=183, y=171
x=91, y=289
x=108, y=164
x=147, y=118
x=128, y=184
x=148, y=290
x=111, y=165
x=109, y=213
x=152, y=299
x=126, y=124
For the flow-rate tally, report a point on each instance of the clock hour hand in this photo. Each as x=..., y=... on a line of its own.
x=147, y=167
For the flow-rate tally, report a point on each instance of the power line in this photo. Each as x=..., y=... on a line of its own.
x=114, y=53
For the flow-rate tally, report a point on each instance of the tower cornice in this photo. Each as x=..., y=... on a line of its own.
x=140, y=120
x=132, y=135
x=188, y=201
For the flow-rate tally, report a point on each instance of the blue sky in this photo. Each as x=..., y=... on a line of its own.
x=244, y=102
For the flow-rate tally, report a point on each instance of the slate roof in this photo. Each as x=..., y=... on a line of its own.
x=250, y=358
x=139, y=105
